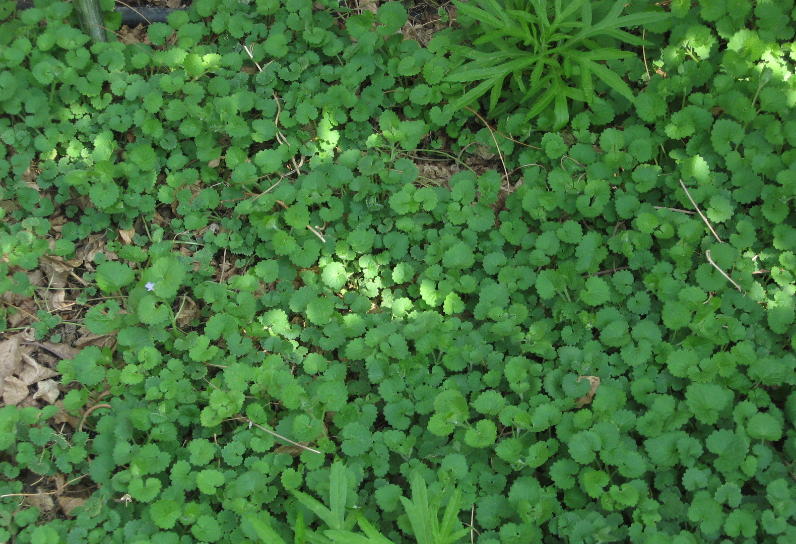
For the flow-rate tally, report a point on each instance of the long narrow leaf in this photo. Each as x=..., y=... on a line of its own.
x=451, y=512
x=472, y=95
x=338, y=490
x=422, y=519
x=606, y=26
x=466, y=74
x=611, y=79
x=586, y=82
x=561, y=109
x=264, y=531
x=347, y=537
x=571, y=8
x=540, y=6
x=372, y=533
x=316, y=507
x=540, y=105
x=494, y=94
x=479, y=15
x=300, y=530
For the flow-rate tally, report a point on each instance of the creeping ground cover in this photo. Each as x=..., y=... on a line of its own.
x=494, y=271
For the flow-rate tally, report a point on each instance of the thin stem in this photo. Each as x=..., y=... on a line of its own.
x=705, y=219
x=723, y=273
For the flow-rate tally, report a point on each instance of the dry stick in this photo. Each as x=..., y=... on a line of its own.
x=610, y=271
x=83, y=419
x=44, y=493
x=689, y=212
x=705, y=219
x=279, y=436
x=492, y=133
x=644, y=52
x=723, y=273
x=472, y=525
x=315, y=232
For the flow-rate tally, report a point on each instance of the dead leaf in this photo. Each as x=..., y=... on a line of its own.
x=99, y=340
x=65, y=417
x=188, y=313
x=32, y=372
x=14, y=391
x=587, y=398
x=127, y=235
x=61, y=350
x=42, y=501
x=48, y=390
x=56, y=270
x=68, y=504
x=10, y=360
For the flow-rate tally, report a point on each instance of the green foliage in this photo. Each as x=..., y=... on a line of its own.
x=541, y=48
x=334, y=310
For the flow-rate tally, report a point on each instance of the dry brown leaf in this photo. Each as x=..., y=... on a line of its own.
x=32, y=372
x=68, y=504
x=99, y=340
x=127, y=235
x=57, y=299
x=48, y=390
x=14, y=391
x=42, y=501
x=587, y=398
x=65, y=417
x=61, y=350
x=56, y=270
x=293, y=451
x=369, y=5
x=10, y=359
x=188, y=313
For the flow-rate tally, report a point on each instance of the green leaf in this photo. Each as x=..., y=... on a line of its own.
x=112, y=276
x=764, y=427
x=421, y=516
x=144, y=491
x=263, y=530
x=392, y=16
x=707, y=400
x=482, y=435
x=357, y=439
x=166, y=274
x=209, y=480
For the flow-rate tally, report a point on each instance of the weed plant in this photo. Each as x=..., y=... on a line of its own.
x=298, y=292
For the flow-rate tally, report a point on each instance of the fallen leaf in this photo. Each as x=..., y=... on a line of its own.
x=188, y=313
x=68, y=504
x=127, y=235
x=48, y=390
x=61, y=350
x=65, y=417
x=32, y=372
x=42, y=501
x=587, y=398
x=10, y=359
x=14, y=391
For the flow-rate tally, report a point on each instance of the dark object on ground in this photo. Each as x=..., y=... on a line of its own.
x=130, y=16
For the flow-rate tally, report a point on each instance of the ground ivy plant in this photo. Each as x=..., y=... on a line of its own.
x=575, y=335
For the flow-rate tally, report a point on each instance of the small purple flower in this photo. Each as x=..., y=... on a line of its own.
x=150, y=286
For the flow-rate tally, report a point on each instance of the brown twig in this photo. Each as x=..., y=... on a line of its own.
x=723, y=273
x=279, y=436
x=705, y=219
x=644, y=53
x=610, y=271
x=83, y=418
x=689, y=212
x=492, y=133
x=56, y=492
